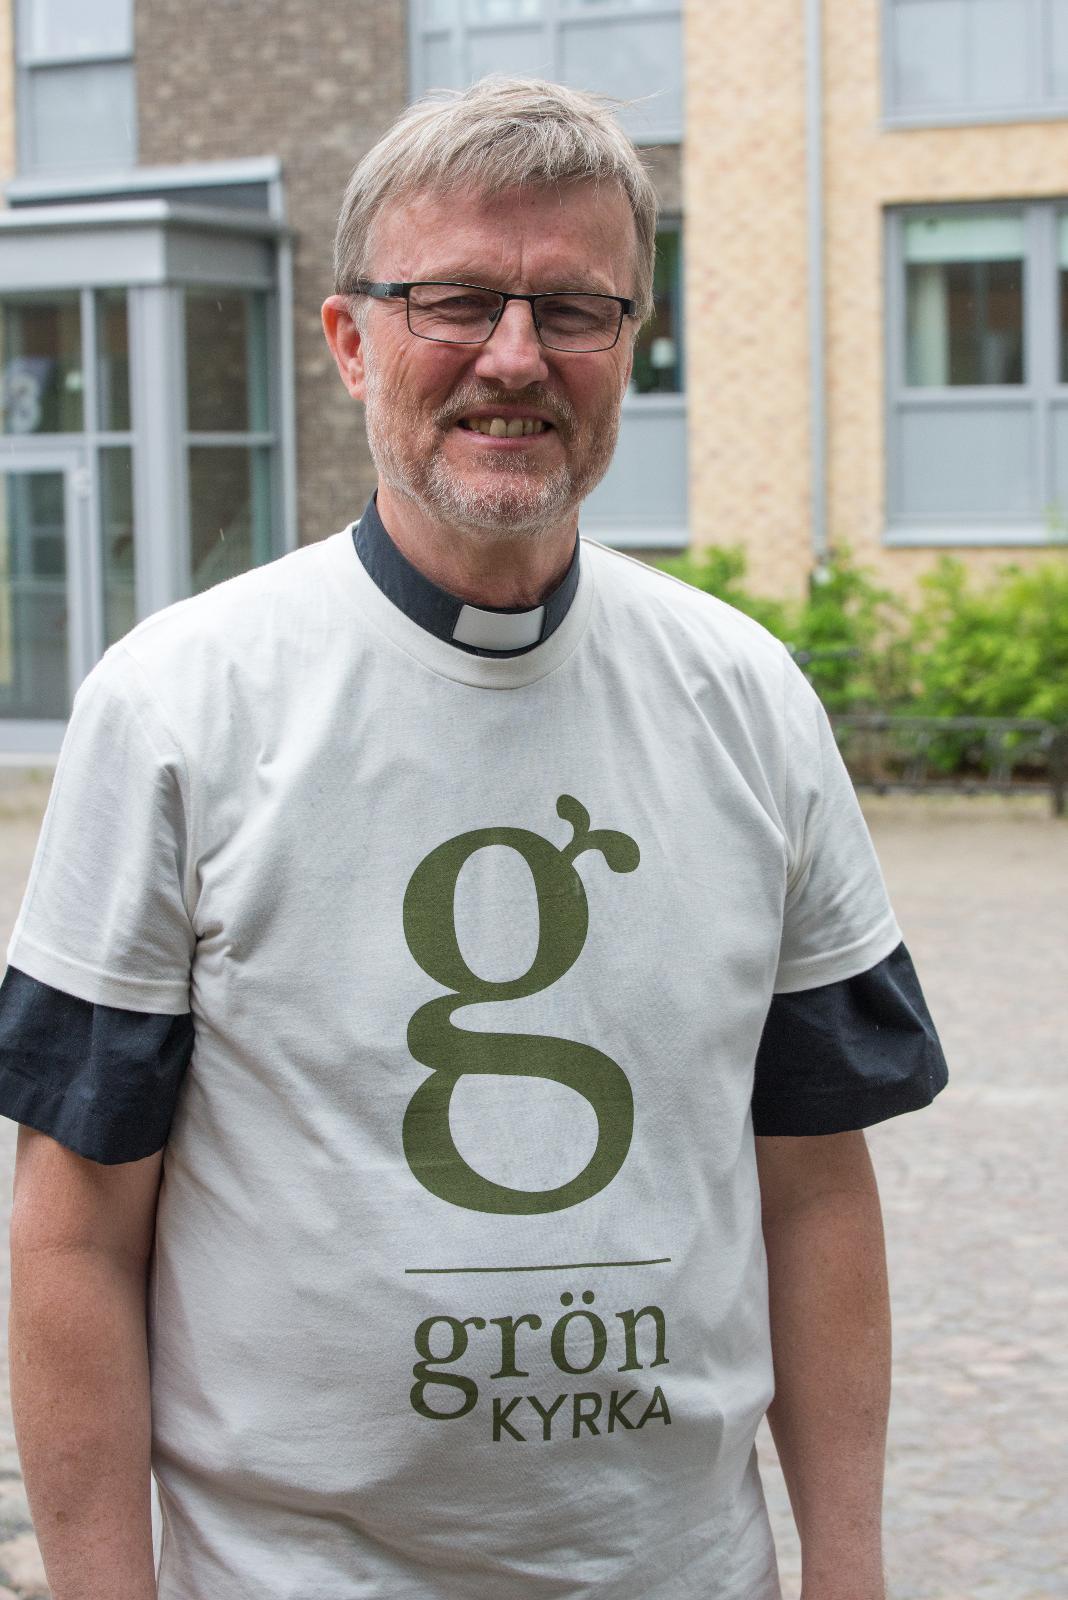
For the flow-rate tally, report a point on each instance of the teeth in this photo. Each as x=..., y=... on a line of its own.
x=502, y=428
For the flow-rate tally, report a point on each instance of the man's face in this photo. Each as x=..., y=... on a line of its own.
x=421, y=397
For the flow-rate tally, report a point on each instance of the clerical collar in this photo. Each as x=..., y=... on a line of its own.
x=480, y=630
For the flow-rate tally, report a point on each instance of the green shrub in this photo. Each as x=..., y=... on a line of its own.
x=847, y=624
x=996, y=651
x=719, y=571
x=853, y=629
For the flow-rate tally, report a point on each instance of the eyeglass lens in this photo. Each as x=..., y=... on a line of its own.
x=458, y=315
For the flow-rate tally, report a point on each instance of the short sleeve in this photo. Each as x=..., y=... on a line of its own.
x=849, y=1054
x=106, y=914
x=102, y=1081
x=837, y=919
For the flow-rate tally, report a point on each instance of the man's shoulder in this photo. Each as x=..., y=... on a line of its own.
x=209, y=657
x=243, y=617
x=674, y=616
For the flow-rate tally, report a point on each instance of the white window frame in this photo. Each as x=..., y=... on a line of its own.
x=1040, y=105
x=1044, y=391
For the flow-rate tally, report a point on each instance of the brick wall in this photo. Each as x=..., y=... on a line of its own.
x=868, y=169
x=744, y=184
x=315, y=86
x=744, y=196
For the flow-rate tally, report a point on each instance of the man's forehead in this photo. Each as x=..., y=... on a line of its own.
x=569, y=227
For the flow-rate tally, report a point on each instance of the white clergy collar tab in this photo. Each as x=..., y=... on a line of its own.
x=479, y=630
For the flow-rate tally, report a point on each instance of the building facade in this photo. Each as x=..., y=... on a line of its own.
x=876, y=201
x=861, y=334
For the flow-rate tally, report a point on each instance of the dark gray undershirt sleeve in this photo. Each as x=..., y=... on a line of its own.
x=846, y=1055
x=97, y=1079
x=104, y=1081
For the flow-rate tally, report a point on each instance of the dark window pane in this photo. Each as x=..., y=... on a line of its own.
x=113, y=361
x=229, y=512
x=658, y=350
x=41, y=364
x=965, y=323
x=117, y=541
x=964, y=293
x=226, y=361
x=33, y=596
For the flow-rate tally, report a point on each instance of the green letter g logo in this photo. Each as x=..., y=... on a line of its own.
x=449, y=1051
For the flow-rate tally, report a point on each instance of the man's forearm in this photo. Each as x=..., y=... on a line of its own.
x=80, y=1396
x=830, y=1322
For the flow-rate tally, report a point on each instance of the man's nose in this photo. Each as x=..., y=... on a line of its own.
x=513, y=354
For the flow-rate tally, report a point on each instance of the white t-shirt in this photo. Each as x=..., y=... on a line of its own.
x=459, y=1289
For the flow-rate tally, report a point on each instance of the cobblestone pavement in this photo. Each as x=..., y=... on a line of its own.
x=975, y=1194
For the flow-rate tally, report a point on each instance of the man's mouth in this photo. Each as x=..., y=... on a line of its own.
x=505, y=427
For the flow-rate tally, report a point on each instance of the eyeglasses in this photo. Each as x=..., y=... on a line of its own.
x=466, y=313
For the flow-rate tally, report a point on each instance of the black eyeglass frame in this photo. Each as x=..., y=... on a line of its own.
x=402, y=291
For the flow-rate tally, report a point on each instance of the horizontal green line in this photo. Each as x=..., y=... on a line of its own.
x=555, y=1266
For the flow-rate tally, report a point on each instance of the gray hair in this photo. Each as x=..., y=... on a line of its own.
x=500, y=133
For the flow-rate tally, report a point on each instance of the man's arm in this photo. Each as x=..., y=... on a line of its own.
x=830, y=1333
x=81, y=1240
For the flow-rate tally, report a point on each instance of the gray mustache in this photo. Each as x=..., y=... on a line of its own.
x=561, y=412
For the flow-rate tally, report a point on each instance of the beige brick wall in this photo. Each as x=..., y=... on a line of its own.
x=744, y=182
x=866, y=170
x=7, y=92
x=314, y=85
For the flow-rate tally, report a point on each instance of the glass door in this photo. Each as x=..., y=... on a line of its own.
x=44, y=643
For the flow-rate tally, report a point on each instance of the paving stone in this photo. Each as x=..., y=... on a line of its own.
x=14, y=1511
x=974, y=1191
x=21, y=1565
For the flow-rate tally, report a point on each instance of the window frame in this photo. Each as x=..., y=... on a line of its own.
x=1041, y=105
x=1044, y=392
x=557, y=17
x=670, y=222
x=29, y=66
x=268, y=438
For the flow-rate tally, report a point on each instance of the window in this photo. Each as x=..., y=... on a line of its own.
x=977, y=369
x=974, y=60
x=964, y=300
x=658, y=350
x=231, y=445
x=41, y=377
x=64, y=382
x=631, y=49
x=76, y=85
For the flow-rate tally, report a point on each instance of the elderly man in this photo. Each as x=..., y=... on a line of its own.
x=440, y=911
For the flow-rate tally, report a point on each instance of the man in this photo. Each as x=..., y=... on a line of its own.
x=502, y=891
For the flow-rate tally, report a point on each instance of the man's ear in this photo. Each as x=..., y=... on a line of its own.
x=346, y=343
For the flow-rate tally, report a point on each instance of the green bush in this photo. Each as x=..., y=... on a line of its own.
x=719, y=571
x=849, y=626
x=998, y=649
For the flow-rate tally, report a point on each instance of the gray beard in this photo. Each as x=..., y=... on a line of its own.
x=522, y=505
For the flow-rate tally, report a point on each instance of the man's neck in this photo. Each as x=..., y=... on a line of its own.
x=479, y=569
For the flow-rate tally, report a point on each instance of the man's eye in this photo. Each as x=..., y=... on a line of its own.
x=456, y=304
x=575, y=313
